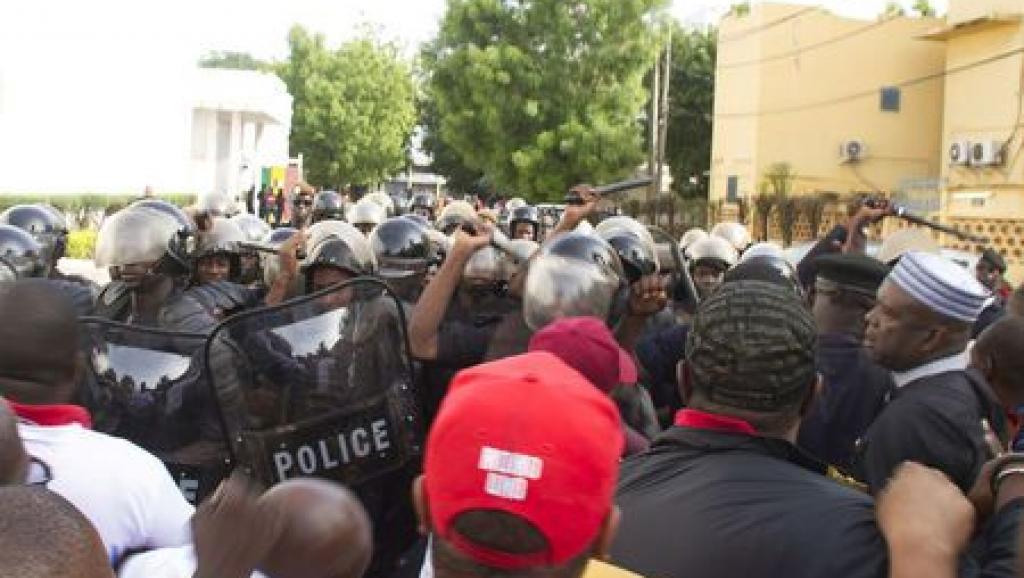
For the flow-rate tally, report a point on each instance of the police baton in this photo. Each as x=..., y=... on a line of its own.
x=605, y=191
x=903, y=213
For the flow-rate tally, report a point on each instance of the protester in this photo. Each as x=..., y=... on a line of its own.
x=526, y=492
x=42, y=535
x=303, y=528
x=123, y=490
x=586, y=345
x=919, y=329
x=855, y=387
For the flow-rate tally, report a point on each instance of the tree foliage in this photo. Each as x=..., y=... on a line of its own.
x=354, y=108
x=691, y=108
x=541, y=94
x=924, y=9
x=232, y=60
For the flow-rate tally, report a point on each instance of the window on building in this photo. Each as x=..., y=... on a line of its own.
x=731, y=188
x=891, y=99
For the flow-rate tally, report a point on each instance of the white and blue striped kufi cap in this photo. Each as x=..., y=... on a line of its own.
x=940, y=285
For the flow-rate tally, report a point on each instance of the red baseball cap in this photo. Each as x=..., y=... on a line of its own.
x=588, y=346
x=527, y=436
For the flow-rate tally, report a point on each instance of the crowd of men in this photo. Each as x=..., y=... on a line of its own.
x=434, y=388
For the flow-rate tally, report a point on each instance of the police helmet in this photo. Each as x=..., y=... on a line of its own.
x=253, y=228
x=689, y=238
x=638, y=258
x=169, y=209
x=223, y=238
x=419, y=220
x=514, y=204
x=773, y=268
x=575, y=275
x=454, y=215
x=44, y=224
x=485, y=264
x=714, y=251
x=344, y=248
x=423, y=204
x=526, y=214
x=366, y=215
x=735, y=233
x=384, y=200
x=137, y=235
x=217, y=204
x=401, y=247
x=20, y=254
x=622, y=223
x=518, y=254
x=763, y=249
x=328, y=205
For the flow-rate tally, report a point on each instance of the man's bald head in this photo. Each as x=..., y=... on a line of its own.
x=326, y=533
x=13, y=459
x=38, y=343
x=43, y=536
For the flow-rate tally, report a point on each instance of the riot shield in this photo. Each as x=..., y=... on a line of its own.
x=318, y=386
x=149, y=386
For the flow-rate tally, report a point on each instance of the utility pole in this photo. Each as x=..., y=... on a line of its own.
x=664, y=110
x=652, y=127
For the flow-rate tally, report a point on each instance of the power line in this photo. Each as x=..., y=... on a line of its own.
x=874, y=91
x=807, y=48
x=765, y=26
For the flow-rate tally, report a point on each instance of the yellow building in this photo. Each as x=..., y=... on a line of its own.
x=984, y=77
x=801, y=86
x=926, y=110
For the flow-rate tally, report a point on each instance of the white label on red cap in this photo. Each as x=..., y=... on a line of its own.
x=508, y=487
x=503, y=462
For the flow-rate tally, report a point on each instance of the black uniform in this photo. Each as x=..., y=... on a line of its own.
x=854, y=394
x=936, y=421
x=715, y=504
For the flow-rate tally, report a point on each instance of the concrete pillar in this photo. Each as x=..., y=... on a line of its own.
x=234, y=153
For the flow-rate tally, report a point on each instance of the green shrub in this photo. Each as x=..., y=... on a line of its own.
x=81, y=244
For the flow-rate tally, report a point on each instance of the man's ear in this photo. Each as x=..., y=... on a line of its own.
x=419, y=502
x=684, y=381
x=812, y=394
x=605, y=538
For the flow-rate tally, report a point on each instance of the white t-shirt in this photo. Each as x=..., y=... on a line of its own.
x=125, y=491
x=163, y=563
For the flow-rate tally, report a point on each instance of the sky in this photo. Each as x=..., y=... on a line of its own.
x=189, y=28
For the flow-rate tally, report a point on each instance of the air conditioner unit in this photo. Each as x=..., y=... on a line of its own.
x=987, y=153
x=960, y=153
x=852, y=151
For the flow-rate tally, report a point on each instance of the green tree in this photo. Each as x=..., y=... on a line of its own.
x=460, y=179
x=924, y=9
x=232, y=60
x=691, y=109
x=353, y=110
x=542, y=94
x=893, y=9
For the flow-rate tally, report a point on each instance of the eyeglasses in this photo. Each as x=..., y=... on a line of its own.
x=39, y=473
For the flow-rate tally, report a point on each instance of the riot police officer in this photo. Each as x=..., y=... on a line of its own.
x=328, y=205
x=365, y=215
x=146, y=253
x=253, y=230
x=404, y=254
x=384, y=200
x=524, y=223
x=216, y=256
x=455, y=215
x=424, y=205
x=709, y=260
x=689, y=238
x=217, y=204
x=735, y=233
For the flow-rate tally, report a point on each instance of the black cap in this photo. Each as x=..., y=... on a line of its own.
x=852, y=270
x=994, y=259
x=752, y=346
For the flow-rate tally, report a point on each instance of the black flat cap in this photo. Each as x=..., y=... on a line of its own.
x=852, y=270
